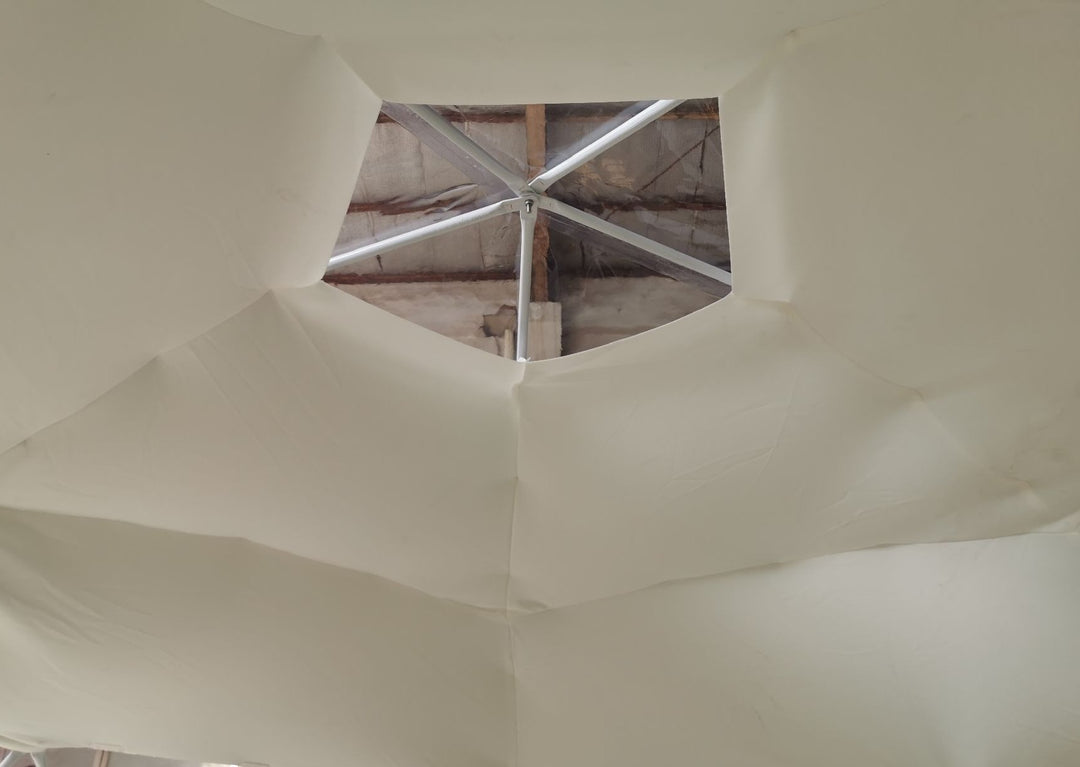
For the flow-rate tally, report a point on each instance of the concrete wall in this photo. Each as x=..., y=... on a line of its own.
x=599, y=311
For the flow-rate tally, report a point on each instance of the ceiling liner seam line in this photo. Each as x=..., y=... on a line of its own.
x=841, y=18
x=778, y=50
x=127, y=377
x=955, y=442
x=328, y=44
x=290, y=313
x=523, y=614
x=265, y=26
x=322, y=42
x=512, y=657
x=515, y=406
x=241, y=540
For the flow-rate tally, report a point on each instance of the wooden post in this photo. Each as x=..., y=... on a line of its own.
x=536, y=149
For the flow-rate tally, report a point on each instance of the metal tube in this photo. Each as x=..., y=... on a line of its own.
x=662, y=252
x=528, y=226
x=404, y=116
x=425, y=232
x=516, y=184
x=602, y=144
x=11, y=758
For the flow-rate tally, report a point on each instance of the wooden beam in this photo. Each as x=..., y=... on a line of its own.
x=658, y=204
x=384, y=278
x=536, y=138
x=697, y=109
x=390, y=278
x=536, y=150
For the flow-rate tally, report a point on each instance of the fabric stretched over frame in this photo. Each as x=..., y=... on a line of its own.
x=830, y=519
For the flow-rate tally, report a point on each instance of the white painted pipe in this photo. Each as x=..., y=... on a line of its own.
x=528, y=214
x=425, y=232
x=464, y=143
x=598, y=224
x=602, y=144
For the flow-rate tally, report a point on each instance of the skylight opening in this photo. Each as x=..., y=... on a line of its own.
x=607, y=219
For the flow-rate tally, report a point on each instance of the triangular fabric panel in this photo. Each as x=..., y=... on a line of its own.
x=828, y=520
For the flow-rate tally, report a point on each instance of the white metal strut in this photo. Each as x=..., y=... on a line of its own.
x=529, y=199
x=602, y=144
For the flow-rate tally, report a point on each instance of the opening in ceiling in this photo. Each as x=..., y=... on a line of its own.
x=609, y=218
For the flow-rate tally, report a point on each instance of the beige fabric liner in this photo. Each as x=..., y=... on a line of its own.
x=828, y=520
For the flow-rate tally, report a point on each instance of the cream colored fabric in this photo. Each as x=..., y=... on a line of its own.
x=163, y=166
x=488, y=52
x=733, y=438
x=829, y=520
x=312, y=438
x=163, y=643
x=941, y=654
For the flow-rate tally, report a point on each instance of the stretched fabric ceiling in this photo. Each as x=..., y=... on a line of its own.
x=828, y=520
